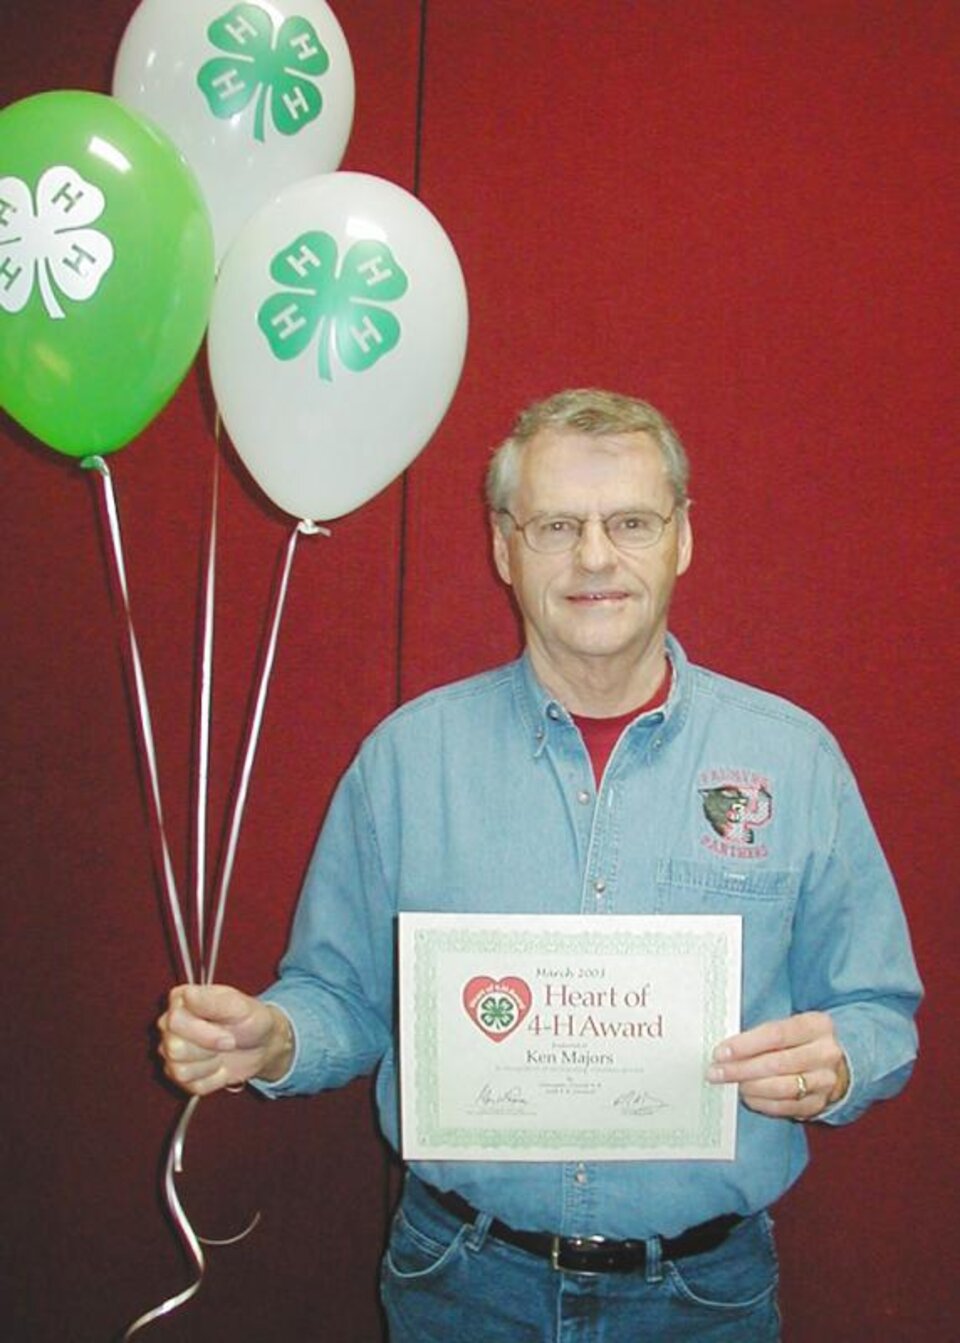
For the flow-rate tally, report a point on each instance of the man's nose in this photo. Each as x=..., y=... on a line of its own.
x=594, y=548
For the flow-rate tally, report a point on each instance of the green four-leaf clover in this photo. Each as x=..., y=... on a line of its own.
x=340, y=306
x=497, y=1013
x=280, y=71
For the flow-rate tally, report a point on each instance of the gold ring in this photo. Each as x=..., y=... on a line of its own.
x=801, y=1087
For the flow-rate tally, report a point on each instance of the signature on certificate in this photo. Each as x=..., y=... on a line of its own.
x=638, y=1103
x=489, y=1097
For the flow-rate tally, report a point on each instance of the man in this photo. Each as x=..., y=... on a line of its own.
x=601, y=773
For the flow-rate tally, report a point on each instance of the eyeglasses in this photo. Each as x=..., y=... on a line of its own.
x=557, y=533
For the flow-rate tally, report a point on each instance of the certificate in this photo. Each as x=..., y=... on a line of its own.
x=569, y=1037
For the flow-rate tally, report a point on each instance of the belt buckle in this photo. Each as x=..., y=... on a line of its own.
x=574, y=1243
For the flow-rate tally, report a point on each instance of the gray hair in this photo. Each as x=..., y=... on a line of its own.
x=592, y=411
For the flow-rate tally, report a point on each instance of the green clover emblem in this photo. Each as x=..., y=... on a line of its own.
x=277, y=65
x=342, y=307
x=497, y=1014
x=52, y=245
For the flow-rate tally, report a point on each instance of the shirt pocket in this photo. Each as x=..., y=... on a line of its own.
x=765, y=898
x=688, y=887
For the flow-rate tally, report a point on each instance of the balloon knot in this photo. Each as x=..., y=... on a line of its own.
x=308, y=528
x=95, y=464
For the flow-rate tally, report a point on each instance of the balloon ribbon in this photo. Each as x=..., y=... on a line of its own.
x=187, y=1233
x=304, y=528
x=98, y=465
x=174, y=1163
x=191, y=1240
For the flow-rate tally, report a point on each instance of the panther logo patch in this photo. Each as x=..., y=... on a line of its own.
x=736, y=805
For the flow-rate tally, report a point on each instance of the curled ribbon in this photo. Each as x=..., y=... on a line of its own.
x=187, y=1234
x=192, y=1242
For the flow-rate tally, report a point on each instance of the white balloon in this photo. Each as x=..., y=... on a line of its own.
x=336, y=341
x=255, y=96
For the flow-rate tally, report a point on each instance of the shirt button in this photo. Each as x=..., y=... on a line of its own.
x=581, y=1176
x=553, y=712
x=599, y=886
x=583, y=797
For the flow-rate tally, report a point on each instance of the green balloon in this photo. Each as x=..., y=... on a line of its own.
x=106, y=270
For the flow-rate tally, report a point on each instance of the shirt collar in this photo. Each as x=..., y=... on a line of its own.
x=541, y=711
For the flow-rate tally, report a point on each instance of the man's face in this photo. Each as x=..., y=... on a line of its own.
x=594, y=604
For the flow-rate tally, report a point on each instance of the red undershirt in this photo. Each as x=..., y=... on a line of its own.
x=600, y=735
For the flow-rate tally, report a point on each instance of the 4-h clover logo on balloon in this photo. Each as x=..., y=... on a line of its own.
x=342, y=306
x=497, y=1006
x=52, y=244
x=280, y=70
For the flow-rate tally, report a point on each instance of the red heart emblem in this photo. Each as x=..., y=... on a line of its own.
x=497, y=1006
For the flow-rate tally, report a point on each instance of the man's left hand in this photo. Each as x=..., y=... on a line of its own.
x=791, y=1069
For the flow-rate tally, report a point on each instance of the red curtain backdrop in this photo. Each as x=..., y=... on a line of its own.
x=744, y=211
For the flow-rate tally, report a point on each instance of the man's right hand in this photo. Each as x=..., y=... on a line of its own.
x=213, y=1036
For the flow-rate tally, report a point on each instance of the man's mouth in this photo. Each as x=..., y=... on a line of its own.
x=591, y=598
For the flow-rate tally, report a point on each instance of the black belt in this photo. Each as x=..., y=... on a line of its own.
x=594, y=1254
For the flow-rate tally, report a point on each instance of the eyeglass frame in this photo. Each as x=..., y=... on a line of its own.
x=581, y=522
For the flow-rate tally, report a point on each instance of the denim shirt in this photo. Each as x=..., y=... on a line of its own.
x=480, y=797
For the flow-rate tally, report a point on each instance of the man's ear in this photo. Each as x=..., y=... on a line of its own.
x=684, y=540
x=501, y=552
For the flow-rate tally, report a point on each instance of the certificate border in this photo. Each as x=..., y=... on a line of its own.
x=719, y=955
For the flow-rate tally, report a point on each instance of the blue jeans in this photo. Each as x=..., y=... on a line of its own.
x=446, y=1282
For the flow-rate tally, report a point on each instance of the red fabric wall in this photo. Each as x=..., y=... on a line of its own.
x=740, y=210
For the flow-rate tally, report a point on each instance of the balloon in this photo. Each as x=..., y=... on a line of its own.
x=106, y=270
x=337, y=337
x=255, y=96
